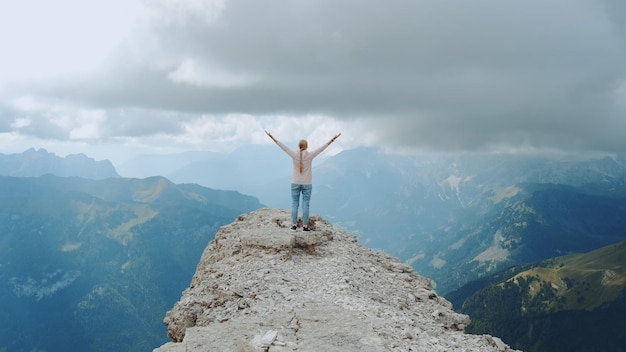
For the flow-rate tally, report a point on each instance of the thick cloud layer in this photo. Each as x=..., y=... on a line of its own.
x=480, y=75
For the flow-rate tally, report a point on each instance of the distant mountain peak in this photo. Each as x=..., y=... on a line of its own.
x=37, y=162
x=32, y=150
x=261, y=287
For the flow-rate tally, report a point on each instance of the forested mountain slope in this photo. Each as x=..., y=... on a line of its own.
x=575, y=302
x=93, y=265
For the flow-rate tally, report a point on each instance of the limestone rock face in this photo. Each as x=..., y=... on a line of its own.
x=260, y=286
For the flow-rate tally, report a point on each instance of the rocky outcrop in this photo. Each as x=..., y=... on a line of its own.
x=261, y=287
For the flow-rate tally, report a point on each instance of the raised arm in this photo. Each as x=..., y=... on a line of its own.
x=281, y=145
x=335, y=137
x=272, y=137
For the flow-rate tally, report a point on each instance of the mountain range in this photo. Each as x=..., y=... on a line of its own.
x=38, y=162
x=454, y=218
x=93, y=265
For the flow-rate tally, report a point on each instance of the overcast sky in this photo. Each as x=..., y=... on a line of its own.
x=114, y=77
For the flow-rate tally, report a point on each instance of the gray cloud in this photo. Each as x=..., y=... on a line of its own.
x=426, y=74
x=137, y=123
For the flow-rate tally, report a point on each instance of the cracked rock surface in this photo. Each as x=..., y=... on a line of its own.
x=260, y=286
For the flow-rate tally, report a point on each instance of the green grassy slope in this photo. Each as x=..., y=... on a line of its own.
x=575, y=302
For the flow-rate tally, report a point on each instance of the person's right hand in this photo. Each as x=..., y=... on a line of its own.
x=270, y=135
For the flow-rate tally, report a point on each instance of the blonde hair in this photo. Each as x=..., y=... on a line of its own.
x=302, y=145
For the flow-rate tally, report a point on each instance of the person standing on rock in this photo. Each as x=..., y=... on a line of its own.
x=301, y=182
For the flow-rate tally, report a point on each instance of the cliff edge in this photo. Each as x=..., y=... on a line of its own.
x=261, y=287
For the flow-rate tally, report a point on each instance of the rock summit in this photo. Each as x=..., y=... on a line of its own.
x=260, y=286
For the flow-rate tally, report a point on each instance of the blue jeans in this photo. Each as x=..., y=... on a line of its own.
x=296, y=189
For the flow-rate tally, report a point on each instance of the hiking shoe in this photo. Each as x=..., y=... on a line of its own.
x=306, y=229
x=294, y=227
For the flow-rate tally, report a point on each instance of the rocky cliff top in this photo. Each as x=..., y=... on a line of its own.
x=261, y=287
